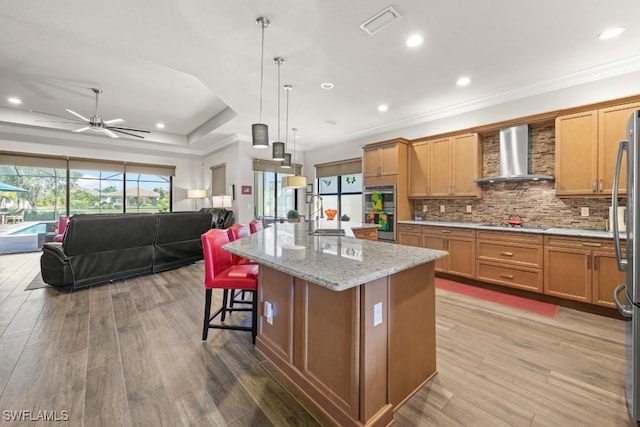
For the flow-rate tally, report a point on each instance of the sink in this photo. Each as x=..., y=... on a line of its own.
x=328, y=232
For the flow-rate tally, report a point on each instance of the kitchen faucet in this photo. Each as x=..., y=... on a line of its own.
x=311, y=215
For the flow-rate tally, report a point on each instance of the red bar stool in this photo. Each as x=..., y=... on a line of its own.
x=238, y=231
x=255, y=226
x=221, y=273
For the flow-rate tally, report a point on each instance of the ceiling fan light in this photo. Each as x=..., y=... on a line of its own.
x=286, y=163
x=278, y=151
x=260, y=135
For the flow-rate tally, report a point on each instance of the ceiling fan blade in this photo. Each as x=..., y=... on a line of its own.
x=127, y=133
x=77, y=115
x=58, y=121
x=82, y=129
x=53, y=115
x=131, y=129
x=114, y=121
x=108, y=132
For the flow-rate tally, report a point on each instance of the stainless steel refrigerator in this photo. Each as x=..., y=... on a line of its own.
x=627, y=294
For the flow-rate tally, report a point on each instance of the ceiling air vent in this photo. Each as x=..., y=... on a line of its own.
x=380, y=20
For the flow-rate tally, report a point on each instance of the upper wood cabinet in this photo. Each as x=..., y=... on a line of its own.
x=384, y=158
x=586, y=149
x=446, y=167
x=419, y=168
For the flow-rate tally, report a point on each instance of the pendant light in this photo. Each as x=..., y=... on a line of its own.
x=295, y=181
x=260, y=131
x=286, y=163
x=278, y=146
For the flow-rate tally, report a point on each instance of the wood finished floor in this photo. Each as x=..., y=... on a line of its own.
x=130, y=354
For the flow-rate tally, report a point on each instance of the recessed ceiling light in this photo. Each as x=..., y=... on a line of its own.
x=463, y=81
x=414, y=40
x=383, y=107
x=14, y=100
x=160, y=125
x=327, y=85
x=611, y=33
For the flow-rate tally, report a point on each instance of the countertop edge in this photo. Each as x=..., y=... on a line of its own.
x=558, y=231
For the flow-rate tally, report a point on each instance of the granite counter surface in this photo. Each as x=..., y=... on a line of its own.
x=337, y=263
x=569, y=232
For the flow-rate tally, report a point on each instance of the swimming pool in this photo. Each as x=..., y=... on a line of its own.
x=38, y=228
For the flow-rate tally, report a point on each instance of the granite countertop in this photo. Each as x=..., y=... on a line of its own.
x=570, y=232
x=336, y=263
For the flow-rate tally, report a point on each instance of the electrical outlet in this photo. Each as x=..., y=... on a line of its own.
x=377, y=314
x=468, y=208
x=268, y=312
x=584, y=211
x=424, y=208
x=442, y=208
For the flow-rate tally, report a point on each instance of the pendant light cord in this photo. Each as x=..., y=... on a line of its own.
x=262, y=23
x=279, y=62
x=286, y=120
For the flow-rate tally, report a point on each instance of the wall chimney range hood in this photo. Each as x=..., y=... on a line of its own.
x=514, y=157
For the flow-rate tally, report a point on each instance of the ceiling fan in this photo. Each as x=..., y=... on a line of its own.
x=96, y=124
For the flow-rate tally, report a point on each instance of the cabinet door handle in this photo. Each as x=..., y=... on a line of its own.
x=601, y=185
x=593, y=186
x=588, y=262
x=506, y=276
x=506, y=253
x=592, y=245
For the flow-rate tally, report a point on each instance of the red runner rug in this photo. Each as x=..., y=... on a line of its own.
x=538, y=307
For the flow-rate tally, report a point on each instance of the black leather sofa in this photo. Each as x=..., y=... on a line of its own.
x=100, y=248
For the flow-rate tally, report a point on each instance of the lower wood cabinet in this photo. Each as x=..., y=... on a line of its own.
x=459, y=242
x=581, y=269
x=410, y=235
x=510, y=258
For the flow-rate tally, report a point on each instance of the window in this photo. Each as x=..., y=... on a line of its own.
x=45, y=195
x=342, y=193
x=271, y=199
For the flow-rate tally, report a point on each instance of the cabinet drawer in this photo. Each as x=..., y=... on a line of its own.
x=527, y=256
x=530, y=279
x=366, y=233
x=446, y=232
x=410, y=228
x=510, y=236
x=581, y=243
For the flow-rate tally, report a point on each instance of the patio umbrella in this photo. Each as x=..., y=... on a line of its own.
x=11, y=188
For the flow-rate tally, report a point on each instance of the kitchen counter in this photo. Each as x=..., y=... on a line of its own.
x=337, y=263
x=559, y=231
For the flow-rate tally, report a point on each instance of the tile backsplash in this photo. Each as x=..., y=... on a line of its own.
x=534, y=202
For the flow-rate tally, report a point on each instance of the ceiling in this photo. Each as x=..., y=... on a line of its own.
x=195, y=65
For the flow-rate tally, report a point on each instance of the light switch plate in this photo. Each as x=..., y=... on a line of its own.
x=268, y=312
x=424, y=208
x=442, y=208
x=584, y=211
x=468, y=208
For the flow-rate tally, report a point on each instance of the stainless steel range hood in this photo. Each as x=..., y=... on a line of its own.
x=514, y=157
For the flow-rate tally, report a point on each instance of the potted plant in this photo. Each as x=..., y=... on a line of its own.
x=293, y=216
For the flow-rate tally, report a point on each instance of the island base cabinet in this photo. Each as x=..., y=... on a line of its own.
x=357, y=354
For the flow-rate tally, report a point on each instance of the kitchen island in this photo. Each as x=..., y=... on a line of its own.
x=350, y=322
